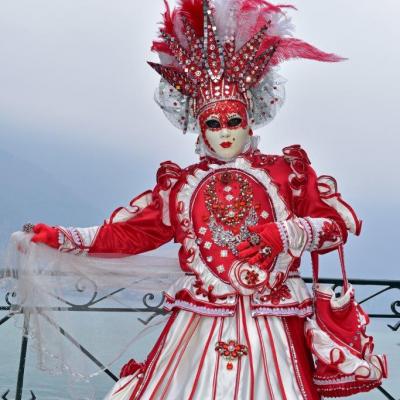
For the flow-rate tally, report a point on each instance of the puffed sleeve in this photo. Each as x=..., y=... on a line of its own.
x=325, y=228
x=322, y=219
x=141, y=226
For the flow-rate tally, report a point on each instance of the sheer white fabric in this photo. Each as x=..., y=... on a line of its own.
x=44, y=282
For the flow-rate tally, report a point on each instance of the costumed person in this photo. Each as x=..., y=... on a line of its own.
x=243, y=218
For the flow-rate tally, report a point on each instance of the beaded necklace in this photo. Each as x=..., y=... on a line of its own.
x=232, y=211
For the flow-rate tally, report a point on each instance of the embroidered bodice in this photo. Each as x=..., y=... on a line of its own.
x=223, y=207
x=208, y=208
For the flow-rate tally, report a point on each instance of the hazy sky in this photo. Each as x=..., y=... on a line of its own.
x=73, y=76
x=76, y=100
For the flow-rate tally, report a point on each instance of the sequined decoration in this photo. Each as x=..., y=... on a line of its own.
x=231, y=351
x=229, y=220
x=212, y=50
x=226, y=238
x=205, y=70
x=233, y=211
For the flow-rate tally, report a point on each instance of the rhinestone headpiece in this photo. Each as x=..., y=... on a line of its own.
x=200, y=65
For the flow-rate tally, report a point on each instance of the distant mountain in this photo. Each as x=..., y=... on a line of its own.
x=30, y=194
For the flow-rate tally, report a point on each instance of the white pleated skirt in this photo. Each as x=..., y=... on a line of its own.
x=184, y=363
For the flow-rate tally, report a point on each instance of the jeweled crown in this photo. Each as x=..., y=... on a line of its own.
x=207, y=66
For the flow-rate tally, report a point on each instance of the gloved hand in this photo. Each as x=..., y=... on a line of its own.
x=46, y=234
x=263, y=246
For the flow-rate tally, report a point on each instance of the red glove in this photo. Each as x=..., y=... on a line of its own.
x=46, y=234
x=269, y=246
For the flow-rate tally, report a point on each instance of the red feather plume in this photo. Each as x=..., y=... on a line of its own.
x=167, y=26
x=263, y=6
x=263, y=9
x=294, y=48
x=193, y=12
x=259, y=52
x=168, y=19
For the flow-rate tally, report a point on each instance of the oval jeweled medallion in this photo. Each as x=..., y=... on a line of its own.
x=224, y=206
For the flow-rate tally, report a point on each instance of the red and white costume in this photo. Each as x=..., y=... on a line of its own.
x=236, y=329
x=212, y=302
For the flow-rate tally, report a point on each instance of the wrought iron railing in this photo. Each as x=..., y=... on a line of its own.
x=380, y=287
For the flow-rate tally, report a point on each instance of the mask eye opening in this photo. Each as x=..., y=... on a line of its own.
x=234, y=121
x=213, y=123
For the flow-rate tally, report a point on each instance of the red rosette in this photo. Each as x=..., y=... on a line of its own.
x=130, y=368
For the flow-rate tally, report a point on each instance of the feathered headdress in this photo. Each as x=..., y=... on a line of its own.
x=225, y=50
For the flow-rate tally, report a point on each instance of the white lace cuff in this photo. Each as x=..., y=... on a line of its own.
x=76, y=240
x=322, y=233
x=311, y=234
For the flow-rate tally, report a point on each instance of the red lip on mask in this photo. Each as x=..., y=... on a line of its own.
x=226, y=145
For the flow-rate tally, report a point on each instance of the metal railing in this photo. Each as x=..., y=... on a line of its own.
x=152, y=310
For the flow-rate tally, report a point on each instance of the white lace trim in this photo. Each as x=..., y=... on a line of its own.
x=76, y=240
x=344, y=379
x=283, y=312
x=284, y=235
x=316, y=226
x=184, y=305
x=317, y=230
x=259, y=311
x=61, y=238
